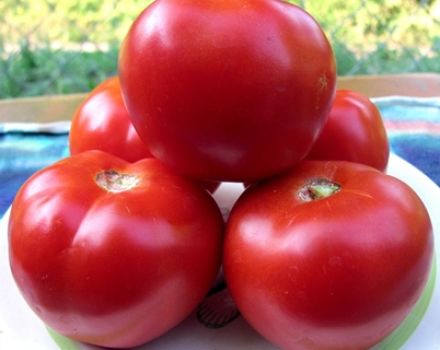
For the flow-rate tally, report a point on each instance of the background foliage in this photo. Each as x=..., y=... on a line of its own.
x=64, y=46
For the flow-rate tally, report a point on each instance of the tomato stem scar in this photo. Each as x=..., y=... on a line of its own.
x=115, y=182
x=317, y=189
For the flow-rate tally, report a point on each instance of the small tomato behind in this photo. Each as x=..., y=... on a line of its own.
x=102, y=122
x=354, y=132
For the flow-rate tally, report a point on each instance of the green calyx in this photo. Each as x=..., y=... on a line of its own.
x=318, y=189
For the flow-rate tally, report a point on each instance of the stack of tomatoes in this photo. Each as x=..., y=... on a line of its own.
x=118, y=243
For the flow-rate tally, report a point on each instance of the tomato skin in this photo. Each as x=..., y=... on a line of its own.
x=340, y=272
x=102, y=122
x=234, y=90
x=113, y=269
x=354, y=132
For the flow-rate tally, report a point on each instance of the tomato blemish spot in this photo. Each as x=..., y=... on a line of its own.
x=115, y=182
x=322, y=87
x=323, y=83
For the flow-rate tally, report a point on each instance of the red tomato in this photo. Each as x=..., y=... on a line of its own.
x=340, y=271
x=354, y=132
x=233, y=90
x=113, y=253
x=102, y=123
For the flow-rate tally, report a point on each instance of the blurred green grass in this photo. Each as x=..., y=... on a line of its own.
x=45, y=71
x=42, y=42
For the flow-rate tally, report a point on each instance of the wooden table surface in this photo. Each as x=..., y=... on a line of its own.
x=62, y=107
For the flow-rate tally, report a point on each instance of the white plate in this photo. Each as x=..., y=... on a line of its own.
x=21, y=329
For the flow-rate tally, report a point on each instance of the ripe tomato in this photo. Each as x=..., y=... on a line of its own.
x=354, y=132
x=113, y=253
x=233, y=90
x=102, y=122
x=340, y=271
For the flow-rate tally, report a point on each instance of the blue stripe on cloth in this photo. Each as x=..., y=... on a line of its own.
x=409, y=109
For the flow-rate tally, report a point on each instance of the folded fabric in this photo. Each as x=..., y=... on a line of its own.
x=413, y=126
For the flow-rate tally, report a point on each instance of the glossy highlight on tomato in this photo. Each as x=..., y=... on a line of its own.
x=113, y=253
x=331, y=255
x=233, y=90
x=354, y=132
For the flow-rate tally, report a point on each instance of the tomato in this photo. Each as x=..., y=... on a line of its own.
x=102, y=122
x=354, y=132
x=331, y=255
x=113, y=253
x=233, y=90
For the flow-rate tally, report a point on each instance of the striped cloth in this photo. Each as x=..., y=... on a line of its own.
x=413, y=126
